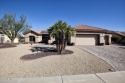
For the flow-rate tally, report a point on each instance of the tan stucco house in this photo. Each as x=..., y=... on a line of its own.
x=85, y=35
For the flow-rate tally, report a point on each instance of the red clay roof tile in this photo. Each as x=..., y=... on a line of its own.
x=86, y=28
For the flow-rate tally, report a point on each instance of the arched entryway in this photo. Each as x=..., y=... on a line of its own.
x=32, y=39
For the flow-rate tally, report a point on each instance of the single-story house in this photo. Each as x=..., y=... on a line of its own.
x=5, y=39
x=85, y=35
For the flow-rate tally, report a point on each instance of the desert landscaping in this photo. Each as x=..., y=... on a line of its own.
x=78, y=62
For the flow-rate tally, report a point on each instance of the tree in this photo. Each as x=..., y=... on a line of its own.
x=12, y=27
x=61, y=31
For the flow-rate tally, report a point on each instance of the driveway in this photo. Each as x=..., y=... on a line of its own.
x=113, y=54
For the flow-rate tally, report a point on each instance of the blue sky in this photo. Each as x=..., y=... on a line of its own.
x=108, y=14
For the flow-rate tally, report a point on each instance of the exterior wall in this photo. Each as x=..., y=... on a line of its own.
x=110, y=36
x=26, y=39
x=16, y=40
x=37, y=38
x=75, y=39
x=102, y=40
x=7, y=40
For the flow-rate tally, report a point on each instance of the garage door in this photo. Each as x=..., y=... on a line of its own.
x=86, y=39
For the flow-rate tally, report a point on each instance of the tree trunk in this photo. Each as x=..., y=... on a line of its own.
x=57, y=46
x=62, y=50
x=12, y=41
x=65, y=43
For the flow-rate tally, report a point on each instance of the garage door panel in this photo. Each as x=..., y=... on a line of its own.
x=86, y=39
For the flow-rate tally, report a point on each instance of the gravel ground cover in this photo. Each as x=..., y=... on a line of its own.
x=79, y=62
x=7, y=45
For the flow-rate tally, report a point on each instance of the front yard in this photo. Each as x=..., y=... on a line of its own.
x=79, y=62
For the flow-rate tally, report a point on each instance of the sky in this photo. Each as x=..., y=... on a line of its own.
x=41, y=14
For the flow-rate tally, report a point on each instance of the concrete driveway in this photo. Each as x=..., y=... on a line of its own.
x=113, y=54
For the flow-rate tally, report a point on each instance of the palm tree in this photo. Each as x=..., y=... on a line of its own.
x=61, y=31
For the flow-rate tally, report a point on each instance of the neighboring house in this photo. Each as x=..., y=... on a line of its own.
x=5, y=39
x=85, y=35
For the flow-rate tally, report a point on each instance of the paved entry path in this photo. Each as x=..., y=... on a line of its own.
x=113, y=54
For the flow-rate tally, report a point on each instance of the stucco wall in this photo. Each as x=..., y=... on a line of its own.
x=38, y=38
x=110, y=36
x=7, y=40
x=75, y=39
x=102, y=40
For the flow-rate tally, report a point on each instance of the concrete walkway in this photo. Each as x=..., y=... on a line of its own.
x=112, y=77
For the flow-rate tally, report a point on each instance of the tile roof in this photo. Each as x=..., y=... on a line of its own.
x=37, y=31
x=86, y=28
x=44, y=32
x=33, y=31
x=83, y=28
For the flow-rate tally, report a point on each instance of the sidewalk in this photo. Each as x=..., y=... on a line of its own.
x=112, y=77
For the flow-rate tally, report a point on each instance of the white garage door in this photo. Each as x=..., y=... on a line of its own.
x=86, y=39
